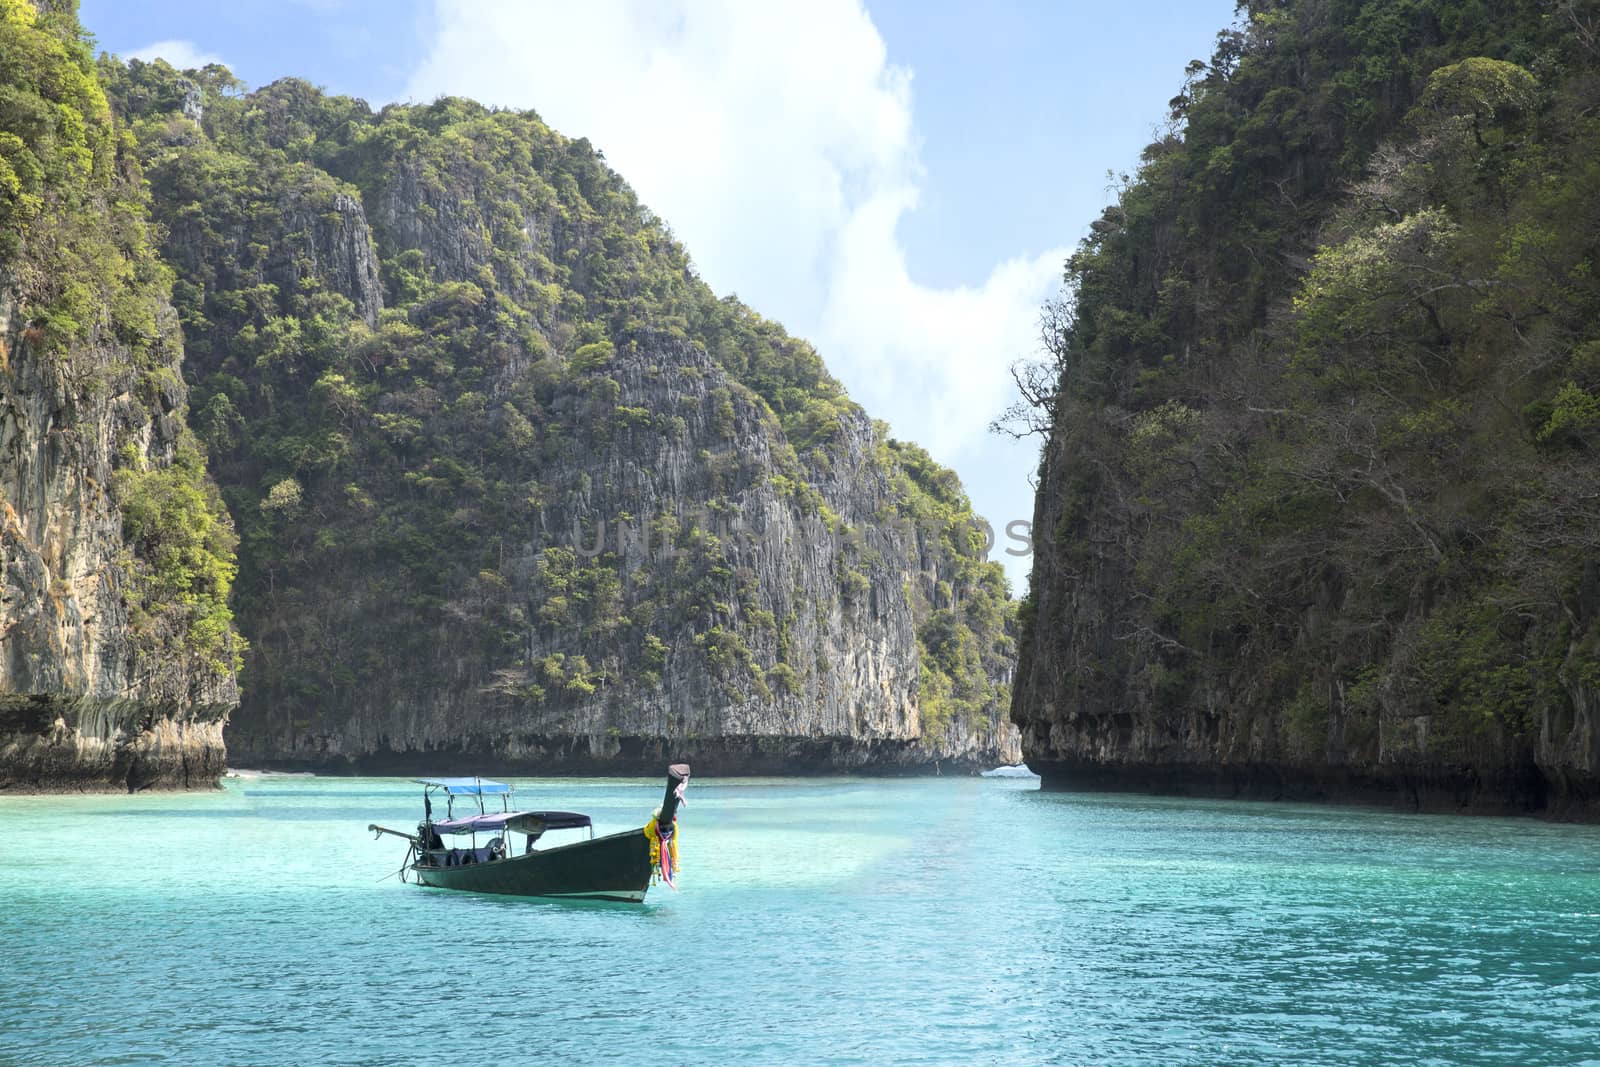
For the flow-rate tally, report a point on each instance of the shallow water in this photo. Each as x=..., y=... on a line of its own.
x=845, y=921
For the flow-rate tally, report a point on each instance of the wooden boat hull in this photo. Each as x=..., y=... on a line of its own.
x=614, y=867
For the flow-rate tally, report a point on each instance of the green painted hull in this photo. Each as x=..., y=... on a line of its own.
x=614, y=867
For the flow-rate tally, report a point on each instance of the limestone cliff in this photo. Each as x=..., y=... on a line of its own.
x=1317, y=508
x=116, y=656
x=517, y=491
x=759, y=660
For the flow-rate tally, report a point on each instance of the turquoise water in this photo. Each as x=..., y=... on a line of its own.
x=844, y=921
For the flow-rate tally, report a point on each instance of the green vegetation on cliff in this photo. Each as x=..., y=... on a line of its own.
x=437, y=351
x=1320, y=488
x=91, y=301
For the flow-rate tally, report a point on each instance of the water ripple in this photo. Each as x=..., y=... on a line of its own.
x=843, y=922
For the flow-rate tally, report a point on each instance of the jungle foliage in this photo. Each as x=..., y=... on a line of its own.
x=1326, y=391
x=407, y=436
x=91, y=292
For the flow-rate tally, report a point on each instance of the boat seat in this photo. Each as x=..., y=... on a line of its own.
x=460, y=857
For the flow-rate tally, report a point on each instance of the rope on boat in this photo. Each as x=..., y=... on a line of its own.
x=379, y=831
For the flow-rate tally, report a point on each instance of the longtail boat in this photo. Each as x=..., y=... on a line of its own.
x=620, y=866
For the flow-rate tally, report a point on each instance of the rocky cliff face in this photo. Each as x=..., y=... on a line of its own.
x=101, y=682
x=1104, y=700
x=760, y=662
x=1316, y=510
x=539, y=501
x=85, y=701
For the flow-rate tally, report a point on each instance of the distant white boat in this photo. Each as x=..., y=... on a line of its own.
x=247, y=772
x=1019, y=771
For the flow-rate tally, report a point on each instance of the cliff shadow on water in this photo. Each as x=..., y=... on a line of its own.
x=1463, y=791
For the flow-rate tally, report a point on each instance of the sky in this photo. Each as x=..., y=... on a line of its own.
x=898, y=181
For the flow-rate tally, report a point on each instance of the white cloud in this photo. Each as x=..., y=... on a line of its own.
x=184, y=55
x=778, y=142
x=940, y=356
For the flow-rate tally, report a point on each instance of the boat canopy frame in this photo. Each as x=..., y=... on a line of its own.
x=427, y=846
x=462, y=787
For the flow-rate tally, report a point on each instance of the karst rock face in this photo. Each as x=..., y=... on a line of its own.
x=851, y=701
x=85, y=701
x=514, y=490
x=1317, y=504
x=116, y=655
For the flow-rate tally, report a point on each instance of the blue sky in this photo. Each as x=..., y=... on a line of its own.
x=897, y=181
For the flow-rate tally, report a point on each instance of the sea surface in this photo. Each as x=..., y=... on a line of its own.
x=948, y=921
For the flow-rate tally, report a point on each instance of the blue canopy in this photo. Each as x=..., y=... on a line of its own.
x=467, y=787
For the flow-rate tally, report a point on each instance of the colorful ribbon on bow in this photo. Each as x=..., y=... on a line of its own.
x=663, y=861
